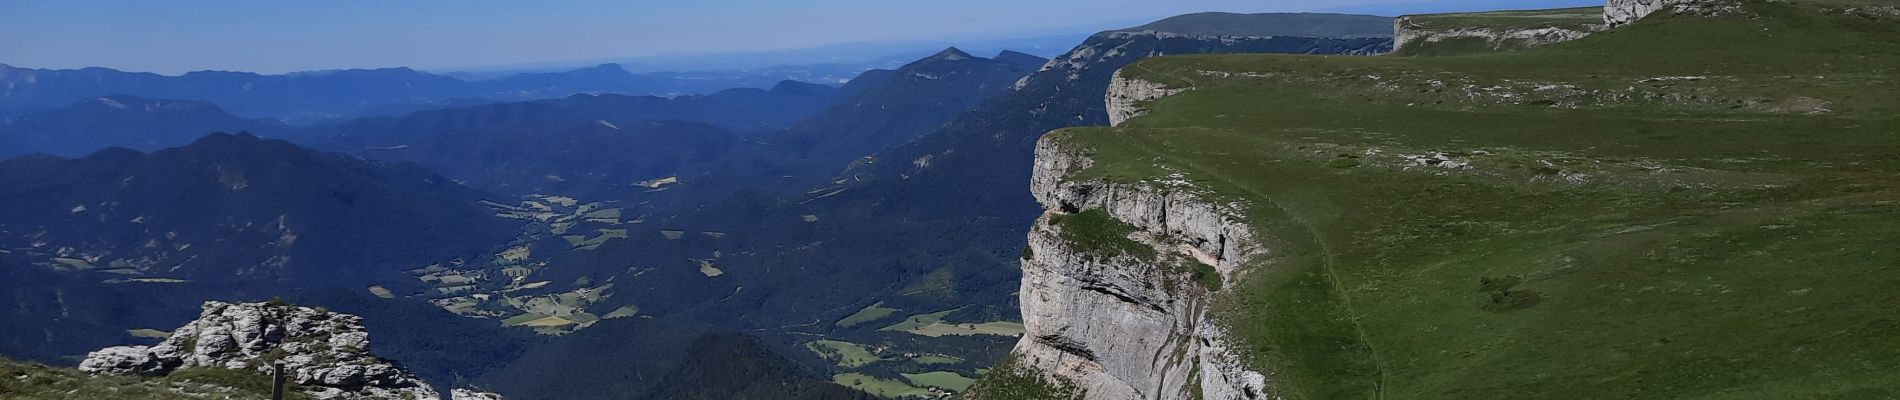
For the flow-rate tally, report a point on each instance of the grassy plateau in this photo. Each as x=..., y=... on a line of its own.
x=1701, y=205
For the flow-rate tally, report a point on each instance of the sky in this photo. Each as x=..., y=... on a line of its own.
x=276, y=36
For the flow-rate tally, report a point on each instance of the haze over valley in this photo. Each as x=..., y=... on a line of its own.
x=1428, y=199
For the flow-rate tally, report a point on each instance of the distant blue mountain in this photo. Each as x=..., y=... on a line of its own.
x=583, y=140
x=121, y=121
x=308, y=97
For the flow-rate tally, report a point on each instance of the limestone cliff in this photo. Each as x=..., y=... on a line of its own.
x=1618, y=12
x=1131, y=326
x=1125, y=95
x=324, y=353
x=1412, y=31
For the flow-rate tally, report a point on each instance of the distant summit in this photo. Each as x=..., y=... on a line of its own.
x=950, y=54
x=1020, y=60
x=1313, y=25
x=798, y=88
x=883, y=108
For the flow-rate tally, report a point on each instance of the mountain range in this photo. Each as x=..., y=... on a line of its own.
x=871, y=216
x=122, y=121
x=326, y=96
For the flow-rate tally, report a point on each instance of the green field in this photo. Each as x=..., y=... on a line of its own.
x=846, y=354
x=998, y=328
x=870, y=313
x=941, y=380
x=918, y=321
x=933, y=359
x=1686, y=207
x=887, y=388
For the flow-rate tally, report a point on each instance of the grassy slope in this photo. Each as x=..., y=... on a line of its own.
x=1727, y=237
x=26, y=381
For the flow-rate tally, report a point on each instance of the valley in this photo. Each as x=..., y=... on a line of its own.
x=1639, y=199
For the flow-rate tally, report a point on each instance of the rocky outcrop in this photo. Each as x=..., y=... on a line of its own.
x=1128, y=326
x=1408, y=31
x=127, y=360
x=1125, y=95
x=465, y=394
x=324, y=353
x=1619, y=12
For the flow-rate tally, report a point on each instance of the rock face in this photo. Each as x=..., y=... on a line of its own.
x=1124, y=326
x=465, y=394
x=325, y=353
x=1125, y=95
x=1618, y=12
x=1407, y=31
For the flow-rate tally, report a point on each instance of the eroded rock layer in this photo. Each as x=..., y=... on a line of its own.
x=1131, y=325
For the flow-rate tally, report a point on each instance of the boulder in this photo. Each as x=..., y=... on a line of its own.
x=125, y=360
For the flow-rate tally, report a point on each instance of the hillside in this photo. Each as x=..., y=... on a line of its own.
x=118, y=240
x=235, y=202
x=1698, y=204
x=887, y=109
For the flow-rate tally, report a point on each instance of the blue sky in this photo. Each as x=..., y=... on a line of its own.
x=275, y=36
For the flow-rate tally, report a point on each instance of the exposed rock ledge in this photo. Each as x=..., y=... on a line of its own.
x=325, y=353
x=1123, y=327
x=1125, y=96
x=1407, y=32
x=1619, y=12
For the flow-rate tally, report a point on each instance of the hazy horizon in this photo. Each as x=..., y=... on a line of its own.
x=281, y=37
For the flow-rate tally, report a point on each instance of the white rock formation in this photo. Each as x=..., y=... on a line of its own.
x=1125, y=96
x=325, y=353
x=1123, y=327
x=1408, y=32
x=465, y=394
x=125, y=360
x=1619, y=12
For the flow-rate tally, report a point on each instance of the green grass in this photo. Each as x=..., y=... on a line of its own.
x=522, y=319
x=918, y=321
x=846, y=354
x=886, y=388
x=1096, y=233
x=251, y=382
x=27, y=381
x=935, y=359
x=997, y=328
x=940, y=379
x=940, y=284
x=870, y=313
x=1616, y=236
